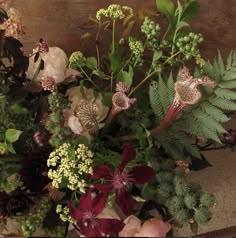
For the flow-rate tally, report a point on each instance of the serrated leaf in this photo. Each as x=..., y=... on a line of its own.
x=229, y=61
x=228, y=84
x=225, y=93
x=12, y=135
x=223, y=103
x=230, y=75
x=91, y=63
x=220, y=63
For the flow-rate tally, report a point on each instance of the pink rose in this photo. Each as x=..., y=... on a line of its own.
x=153, y=227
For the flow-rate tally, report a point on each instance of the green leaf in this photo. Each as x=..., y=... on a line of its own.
x=181, y=25
x=220, y=62
x=156, y=56
x=99, y=73
x=115, y=60
x=230, y=75
x=107, y=99
x=190, y=10
x=12, y=135
x=228, y=84
x=167, y=7
x=225, y=93
x=10, y=148
x=17, y=109
x=126, y=77
x=91, y=63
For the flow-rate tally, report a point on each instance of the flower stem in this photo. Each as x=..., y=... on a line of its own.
x=113, y=35
x=142, y=82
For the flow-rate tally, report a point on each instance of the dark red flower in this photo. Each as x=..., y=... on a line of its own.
x=91, y=204
x=121, y=179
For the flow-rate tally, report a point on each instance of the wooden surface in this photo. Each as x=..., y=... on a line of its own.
x=57, y=21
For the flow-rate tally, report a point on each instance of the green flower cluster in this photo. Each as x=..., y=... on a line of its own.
x=60, y=134
x=70, y=166
x=137, y=49
x=151, y=31
x=184, y=200
x=77, y=60
x=188, y=44
x=36, y=217
x=64, y=213
x=114, y=11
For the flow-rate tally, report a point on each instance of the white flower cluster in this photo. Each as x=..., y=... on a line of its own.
x=64, y=213
x=70, y=166
x=114, y=11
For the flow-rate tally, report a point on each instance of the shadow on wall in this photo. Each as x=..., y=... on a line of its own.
x=57, y=21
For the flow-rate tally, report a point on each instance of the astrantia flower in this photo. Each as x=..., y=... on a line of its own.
x=90, y=206
x=55, y=65
x=87, y=113
x=13, y=26
x=121, y=179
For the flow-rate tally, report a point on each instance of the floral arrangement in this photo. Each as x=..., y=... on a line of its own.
x=102, y=145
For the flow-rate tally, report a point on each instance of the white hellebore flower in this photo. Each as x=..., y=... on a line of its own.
x=86, y=113
x=55, y=66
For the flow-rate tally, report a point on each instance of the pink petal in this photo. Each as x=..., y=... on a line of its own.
x=154, y=227
x=125, y=202
x=110, y=226
x=98, y=203
x=142, y=174
x=127, y=155
x=75, y=212
x=101, y=171
x=132, y=226
x=105, y=187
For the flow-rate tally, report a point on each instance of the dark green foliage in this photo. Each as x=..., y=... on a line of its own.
x=184, y=200
x=190, y=200
x=202, y=215
x=207, y=199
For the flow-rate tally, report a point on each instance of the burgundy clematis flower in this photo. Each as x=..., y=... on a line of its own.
x=92, y=204
x=121, y=179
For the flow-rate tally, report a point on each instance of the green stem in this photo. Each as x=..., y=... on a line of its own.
x=89, y=79
x=113, y=35
x=171, y=57
x=142, y=82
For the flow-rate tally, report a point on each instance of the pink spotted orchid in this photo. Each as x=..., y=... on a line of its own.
x=90, y=206
x=121, y=179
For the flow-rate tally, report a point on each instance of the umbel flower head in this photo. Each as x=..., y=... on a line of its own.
x=121, y=179
x=114, y=11
x=90, y=206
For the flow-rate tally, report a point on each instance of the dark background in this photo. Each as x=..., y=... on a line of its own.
x=57, y=22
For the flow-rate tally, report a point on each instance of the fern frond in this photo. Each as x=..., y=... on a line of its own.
x=155, y=101
x=214, y=112
x=225, y=93
x=222, y=103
